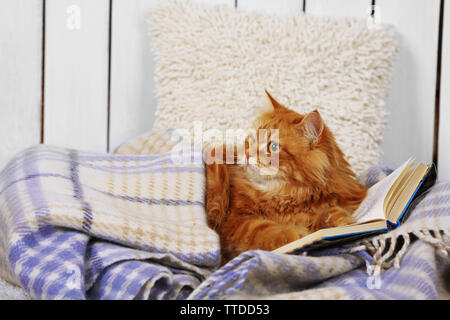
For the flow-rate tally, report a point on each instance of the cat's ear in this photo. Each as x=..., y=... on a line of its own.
x=272, y=102
x=312, y=127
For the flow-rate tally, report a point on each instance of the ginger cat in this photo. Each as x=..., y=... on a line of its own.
x=314, y=187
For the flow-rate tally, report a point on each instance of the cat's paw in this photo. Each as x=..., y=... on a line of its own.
x=341, y=219
x=288, y=234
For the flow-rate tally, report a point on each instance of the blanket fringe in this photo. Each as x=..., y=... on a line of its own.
x=387, y=251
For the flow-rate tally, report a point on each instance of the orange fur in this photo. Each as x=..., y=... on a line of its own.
x=314, y=188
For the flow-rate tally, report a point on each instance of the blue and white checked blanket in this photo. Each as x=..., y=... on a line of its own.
x=85, y=226
x=77, y=225
x=410, y=262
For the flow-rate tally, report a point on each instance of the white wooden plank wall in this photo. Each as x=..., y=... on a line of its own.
x=411, y=99
x=340, y=8
x=280, y=7
x=20, y=76
x=95, y=93
x=410, y=102
x=76, y=73
x=215, y=2
x=444, y=117
x=133, y=99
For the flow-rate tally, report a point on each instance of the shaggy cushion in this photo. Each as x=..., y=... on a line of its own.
x=213, y=63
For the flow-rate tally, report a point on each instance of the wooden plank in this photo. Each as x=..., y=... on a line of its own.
x=280, y=7
x=341, y=8
x=228, y=2
x=412, y=95
x=133, y=98
x=76, y=73
x=20, y=75
x=444, y=116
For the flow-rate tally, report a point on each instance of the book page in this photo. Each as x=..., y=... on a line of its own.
x=370, y=216
x=372, y=206
x=407, y=193
x=396, y=189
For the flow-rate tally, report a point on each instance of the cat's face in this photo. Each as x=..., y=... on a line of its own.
x=297, y=148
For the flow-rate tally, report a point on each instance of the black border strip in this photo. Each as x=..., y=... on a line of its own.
x=438, y=86
x=43, y=72
x=108, y=121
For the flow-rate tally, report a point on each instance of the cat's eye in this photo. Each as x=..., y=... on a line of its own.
x=274, y=147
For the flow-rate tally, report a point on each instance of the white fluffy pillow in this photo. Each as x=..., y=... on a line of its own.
x=213, y=63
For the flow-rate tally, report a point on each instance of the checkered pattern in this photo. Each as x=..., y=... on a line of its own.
x=56, y=239
x=389, y=266
x=156, y=141
x=335, y=275
x=77, y=225
x=351, y=276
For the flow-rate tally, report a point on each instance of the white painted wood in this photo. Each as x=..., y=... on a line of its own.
x=339, y=8
x=76, y=73
x=444, y=115
x=279, y=7
x=411, y=99
x=20, y=75
x=228, y=2
x=133, y=98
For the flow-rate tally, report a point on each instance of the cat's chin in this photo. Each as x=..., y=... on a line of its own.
x=263, y=178
x=252, y=168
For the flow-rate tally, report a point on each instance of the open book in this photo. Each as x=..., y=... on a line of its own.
x=384, y=208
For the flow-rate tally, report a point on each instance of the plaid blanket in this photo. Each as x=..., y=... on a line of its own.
x=77, y=225
x=410, y=262
x=86, y=226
